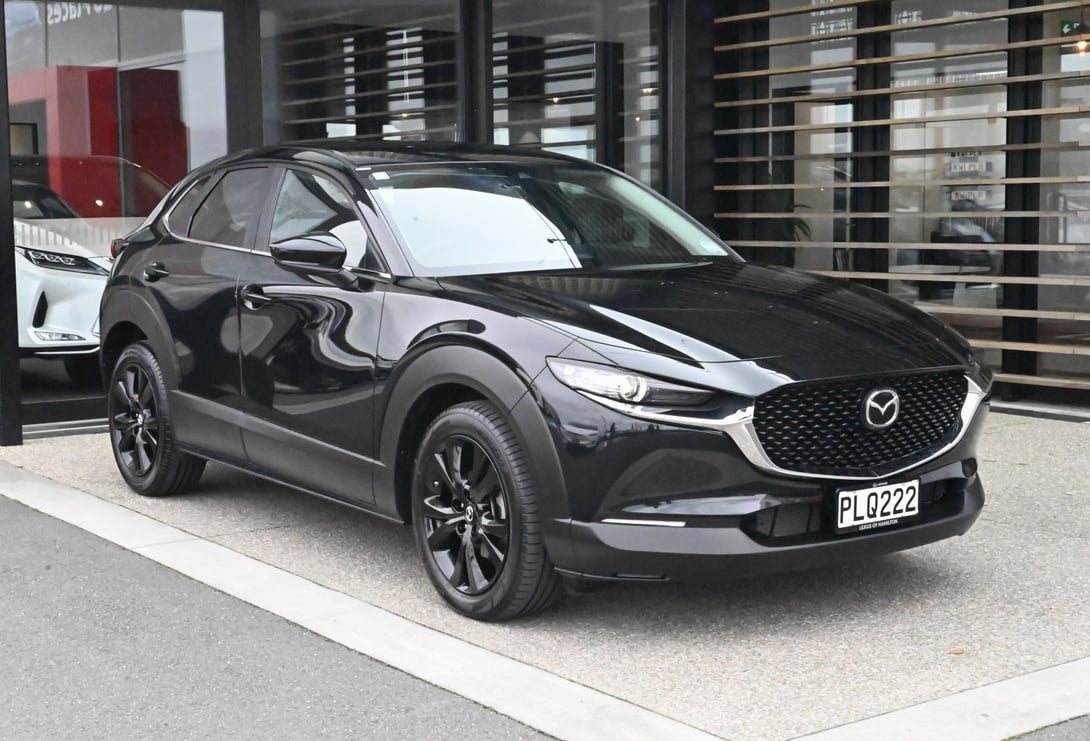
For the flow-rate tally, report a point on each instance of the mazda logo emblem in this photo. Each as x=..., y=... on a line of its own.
x=880, y=408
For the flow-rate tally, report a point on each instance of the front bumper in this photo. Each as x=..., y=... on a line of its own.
x=54, y=304
x=610, y=551
x=651, y=501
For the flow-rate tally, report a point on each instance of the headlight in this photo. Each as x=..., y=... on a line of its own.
x=625, y=386
x=57, y=261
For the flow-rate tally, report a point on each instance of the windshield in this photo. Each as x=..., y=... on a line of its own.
x=474, y=218
x=35, y=202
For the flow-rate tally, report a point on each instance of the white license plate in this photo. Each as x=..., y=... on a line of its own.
x=877, y=507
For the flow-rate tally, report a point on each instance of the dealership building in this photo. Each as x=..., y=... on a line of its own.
x=937, y=151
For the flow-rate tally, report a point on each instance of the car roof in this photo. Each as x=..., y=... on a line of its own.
x=348, y=154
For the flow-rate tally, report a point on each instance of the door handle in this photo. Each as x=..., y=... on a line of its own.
x=253, y=298
x=154, y=271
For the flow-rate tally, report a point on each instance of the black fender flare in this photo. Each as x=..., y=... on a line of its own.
x=509, y=389
x=132, y=308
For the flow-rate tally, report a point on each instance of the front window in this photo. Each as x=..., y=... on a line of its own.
x=312, y=204
x=475, y=218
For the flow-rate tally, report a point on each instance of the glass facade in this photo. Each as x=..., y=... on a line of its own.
x=109, y=106
x=933, y=150
x=580, y=78
x=362, y=70
x=929, y=149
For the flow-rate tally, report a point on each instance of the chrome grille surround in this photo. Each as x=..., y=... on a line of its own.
x=819, y=428
x=739, y=426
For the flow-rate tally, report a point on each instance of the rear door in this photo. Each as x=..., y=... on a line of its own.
x=192, y=277
x=308, y=344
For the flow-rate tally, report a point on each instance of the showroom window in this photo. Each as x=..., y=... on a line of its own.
x=1063, y=296
x=580, y=78
x=930, y=150
x=110, y=106
x=359, y=69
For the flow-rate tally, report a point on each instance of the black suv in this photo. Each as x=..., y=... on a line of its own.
x=541, y=364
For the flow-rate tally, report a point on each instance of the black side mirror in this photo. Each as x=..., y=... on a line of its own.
x=314, y=253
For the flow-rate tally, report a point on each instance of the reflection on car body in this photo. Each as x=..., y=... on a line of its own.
x=63, y=253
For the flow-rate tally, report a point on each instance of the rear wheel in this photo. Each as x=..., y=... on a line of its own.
x=475, y=517
x=141, y=433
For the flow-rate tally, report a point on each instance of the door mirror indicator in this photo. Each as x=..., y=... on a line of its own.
x=313, y=253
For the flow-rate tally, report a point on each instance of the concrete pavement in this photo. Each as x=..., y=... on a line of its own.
x=1077, y=729
x=768, y=658
x=99, y=642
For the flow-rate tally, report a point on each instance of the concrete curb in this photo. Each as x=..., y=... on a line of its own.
x=532, y=696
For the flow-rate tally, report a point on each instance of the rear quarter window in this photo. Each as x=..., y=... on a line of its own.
x=179, y=217
x=229, y=214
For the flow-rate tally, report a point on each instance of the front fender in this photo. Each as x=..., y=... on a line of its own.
x=488, y=377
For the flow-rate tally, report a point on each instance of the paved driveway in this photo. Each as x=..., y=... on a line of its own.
x=768, y=658
x=100, y=643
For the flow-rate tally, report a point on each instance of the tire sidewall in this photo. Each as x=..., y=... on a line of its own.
x=493, y=602
x=142, y=356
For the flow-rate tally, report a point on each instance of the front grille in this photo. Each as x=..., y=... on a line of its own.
x=818, y=427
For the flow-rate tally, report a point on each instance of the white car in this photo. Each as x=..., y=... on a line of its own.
x=61, y=264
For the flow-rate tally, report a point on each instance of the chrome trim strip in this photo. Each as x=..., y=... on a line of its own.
x=655, y=523
x=212, y=244
x=739, y=427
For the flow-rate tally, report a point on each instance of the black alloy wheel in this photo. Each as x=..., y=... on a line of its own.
x=475, y=516
x=135, y=419
x=141, y=434
x=465, y=518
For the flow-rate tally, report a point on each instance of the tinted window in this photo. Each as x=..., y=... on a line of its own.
x=310, y=203
x=179, y=218
x=230, y=212
x=460, y=219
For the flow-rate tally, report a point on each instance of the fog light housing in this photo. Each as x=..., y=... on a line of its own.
x=58, y=337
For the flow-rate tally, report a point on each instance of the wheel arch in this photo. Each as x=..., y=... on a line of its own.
x=126, y=318
x=435, y=378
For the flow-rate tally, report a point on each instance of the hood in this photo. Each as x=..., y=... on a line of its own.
x=798, y=325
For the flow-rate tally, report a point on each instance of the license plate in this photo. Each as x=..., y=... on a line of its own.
x=877, y=507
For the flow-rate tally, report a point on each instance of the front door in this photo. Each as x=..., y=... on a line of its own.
x=308, y=346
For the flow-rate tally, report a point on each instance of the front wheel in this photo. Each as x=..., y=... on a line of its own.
x=141, y=432
x=475, y=516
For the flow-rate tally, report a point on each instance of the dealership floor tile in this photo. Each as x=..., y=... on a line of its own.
x=768, y=658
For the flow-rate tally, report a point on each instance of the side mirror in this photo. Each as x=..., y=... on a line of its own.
x=314, y=253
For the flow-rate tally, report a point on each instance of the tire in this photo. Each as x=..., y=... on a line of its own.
x=141, y=433
x=83, y=370
x=475, y=517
